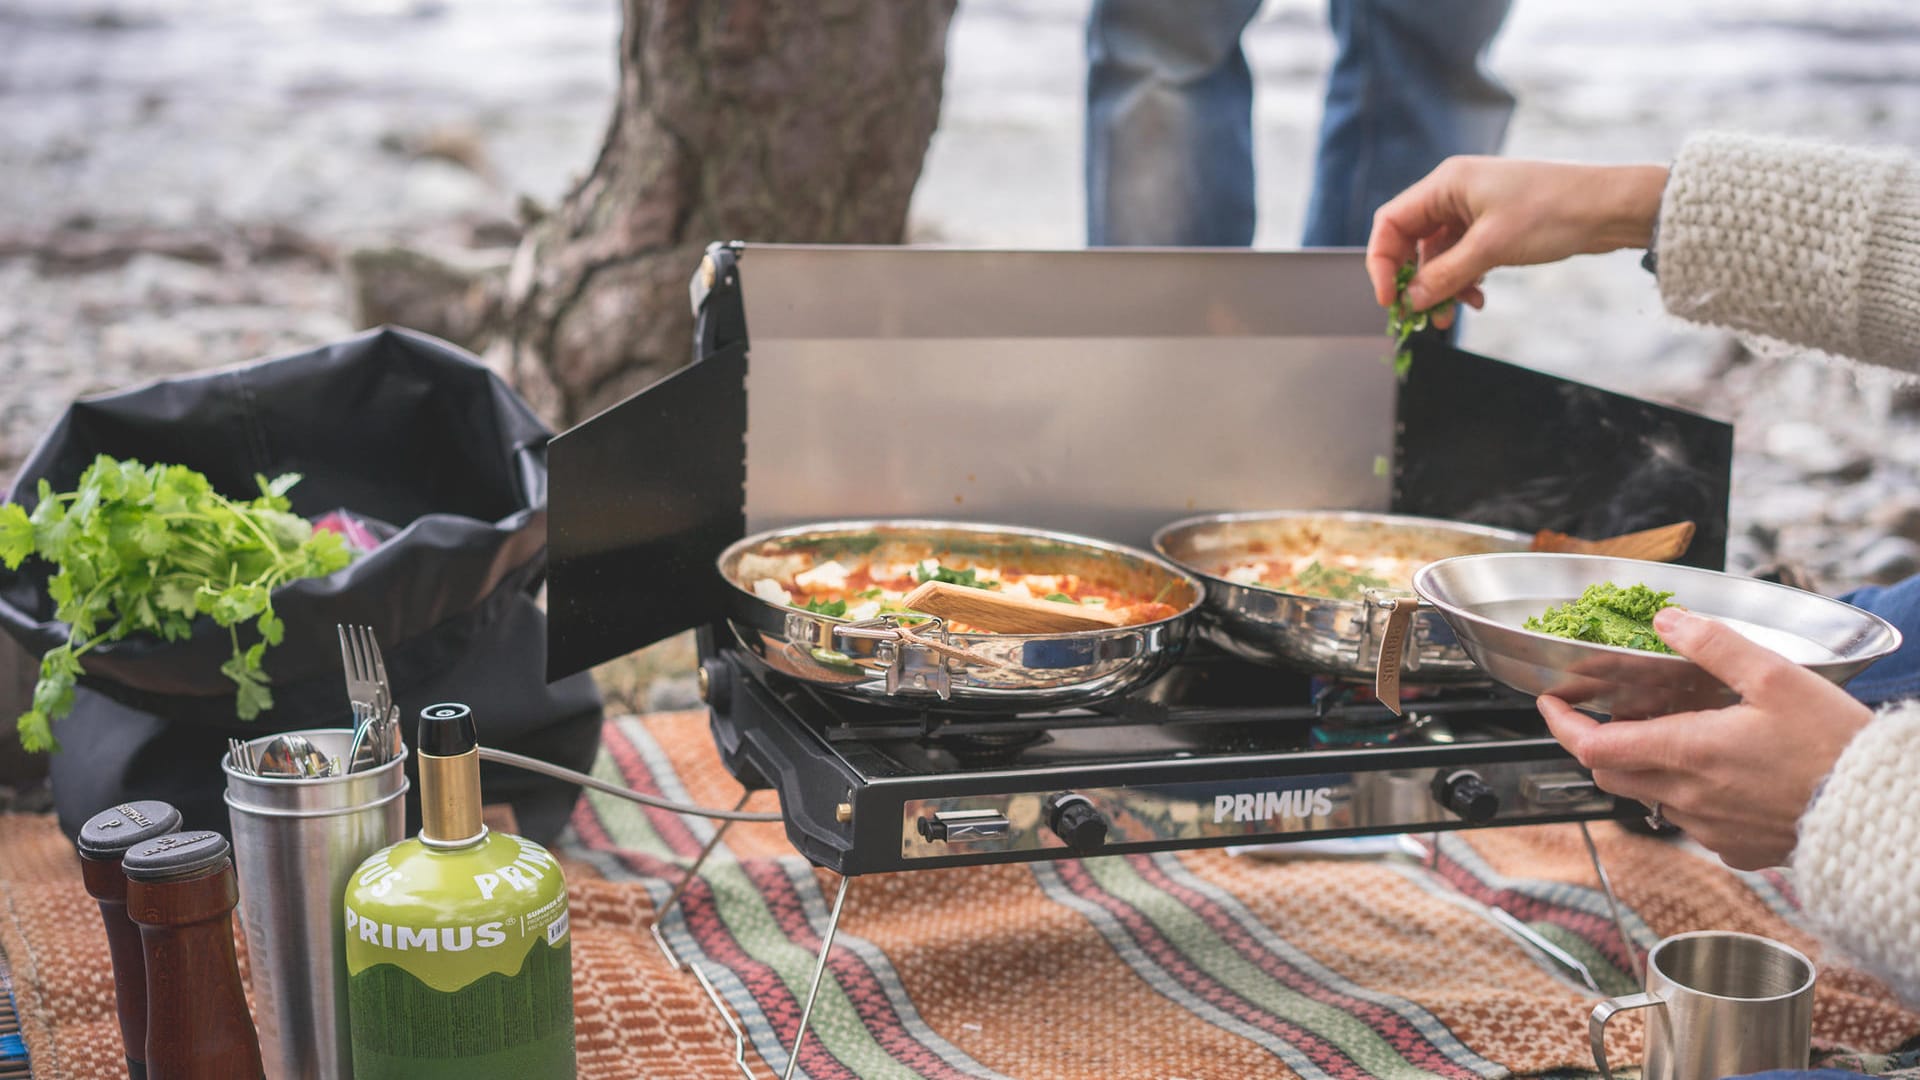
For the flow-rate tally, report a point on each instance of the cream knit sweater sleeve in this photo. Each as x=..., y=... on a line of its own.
x=1857, y=864
x=1811, y=244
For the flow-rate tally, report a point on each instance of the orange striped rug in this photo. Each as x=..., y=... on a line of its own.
x=1192, y=965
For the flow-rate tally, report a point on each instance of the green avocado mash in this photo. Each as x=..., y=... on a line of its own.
x=1607, y=614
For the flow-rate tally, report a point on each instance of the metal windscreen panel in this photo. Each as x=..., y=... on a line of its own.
x=1103, y=392
x=1498, y=444
x=641, y=498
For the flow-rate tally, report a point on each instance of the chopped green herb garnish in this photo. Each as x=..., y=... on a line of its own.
x=1338, y=584
x=868, y=594
x=1403, y=322
x=968, y=578
x=1060, y=597
x=834, y=608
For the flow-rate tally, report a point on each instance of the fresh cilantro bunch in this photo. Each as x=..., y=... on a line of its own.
x=151, y=548
x=1403, y=322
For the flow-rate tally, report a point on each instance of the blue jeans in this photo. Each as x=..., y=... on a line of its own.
x=1169, y=143
x=1894, y=677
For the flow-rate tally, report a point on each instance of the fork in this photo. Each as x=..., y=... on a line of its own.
x=362, y=689
x=239, y=755
x=369, y=689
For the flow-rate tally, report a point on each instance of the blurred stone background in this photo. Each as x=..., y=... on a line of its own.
x=180, y=180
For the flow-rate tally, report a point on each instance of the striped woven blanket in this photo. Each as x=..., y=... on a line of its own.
x=1162, y=967
x=1191, y=965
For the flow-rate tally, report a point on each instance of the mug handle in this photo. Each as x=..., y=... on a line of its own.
x=1603, y=1012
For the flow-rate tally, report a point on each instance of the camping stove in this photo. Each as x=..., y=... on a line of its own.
x=1216, y=752
x=1100, y=394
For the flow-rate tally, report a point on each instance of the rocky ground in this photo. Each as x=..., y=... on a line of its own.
x=180, y=178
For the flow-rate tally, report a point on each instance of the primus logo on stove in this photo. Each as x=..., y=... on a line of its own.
x=1267, y=805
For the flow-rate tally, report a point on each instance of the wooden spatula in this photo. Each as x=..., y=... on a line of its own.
x=1664, y=544
x=1000, y=613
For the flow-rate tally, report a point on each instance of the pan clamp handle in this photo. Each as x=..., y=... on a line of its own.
x=1389, y=661
x=914, y=657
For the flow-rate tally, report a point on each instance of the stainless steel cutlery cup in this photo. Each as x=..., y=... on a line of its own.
x=296, y=841
x=1718, y=1004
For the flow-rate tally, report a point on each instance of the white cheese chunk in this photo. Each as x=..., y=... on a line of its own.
x=1017, y=588
x=864, y=611
x=1249, y=574
x=828, y=575
x=769, y=590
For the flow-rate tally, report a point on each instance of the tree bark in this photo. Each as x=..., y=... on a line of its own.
x=771, y=120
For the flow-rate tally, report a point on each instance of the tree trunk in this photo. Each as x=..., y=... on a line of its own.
x=772, y=120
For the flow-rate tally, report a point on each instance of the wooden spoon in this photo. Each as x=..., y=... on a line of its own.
x=1664, y=544
x=1000, y=613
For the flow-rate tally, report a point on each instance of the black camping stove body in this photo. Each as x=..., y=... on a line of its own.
x=1218, y=752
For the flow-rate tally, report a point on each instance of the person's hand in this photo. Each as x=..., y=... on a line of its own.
x=1472, y=214
x=1736, y=779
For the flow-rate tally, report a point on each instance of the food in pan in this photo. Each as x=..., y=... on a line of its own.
x=1327, y=556
x=860, y=588
x=1329, y=574
x=1607, y=614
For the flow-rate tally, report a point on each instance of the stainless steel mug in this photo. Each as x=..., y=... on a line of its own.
x=1719, y=1004
x=296, y=842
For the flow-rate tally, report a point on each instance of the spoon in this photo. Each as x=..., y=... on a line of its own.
x=291, y=755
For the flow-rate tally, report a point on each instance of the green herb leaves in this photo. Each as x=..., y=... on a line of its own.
x=151, y=548
x=1403, y=322
x=969, y=578
x=832, y=608
x=1334, y=582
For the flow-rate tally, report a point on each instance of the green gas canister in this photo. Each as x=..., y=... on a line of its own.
x=459, y=962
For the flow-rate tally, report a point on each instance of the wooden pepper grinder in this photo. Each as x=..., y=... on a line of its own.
x=104, y=839
x=181, y=892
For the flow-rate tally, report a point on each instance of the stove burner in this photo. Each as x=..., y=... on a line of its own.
x=985, y=748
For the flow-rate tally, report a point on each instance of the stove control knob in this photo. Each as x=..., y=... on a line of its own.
x=1075, y=820
x=1463, y=792
x=715, y=679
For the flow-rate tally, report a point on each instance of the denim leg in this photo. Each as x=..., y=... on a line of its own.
x=1169, y=141
x=1895, y=677
x=1407, y=90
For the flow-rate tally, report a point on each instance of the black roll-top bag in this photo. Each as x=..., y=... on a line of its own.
x=439, y=456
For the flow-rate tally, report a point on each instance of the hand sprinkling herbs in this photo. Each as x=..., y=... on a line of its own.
x=1403, y=322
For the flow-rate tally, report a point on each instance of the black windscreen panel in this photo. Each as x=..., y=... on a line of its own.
x=1491, y=443
x=643, y=498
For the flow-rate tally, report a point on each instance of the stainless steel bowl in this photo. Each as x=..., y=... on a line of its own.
x=1487, y=598
x=1321, y=634
x=971, y=671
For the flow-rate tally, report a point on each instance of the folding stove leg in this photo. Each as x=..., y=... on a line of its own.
x=673, y=958
x=673, y=898
x=819, y=969
x=1613, y=904
x=733, y=1026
